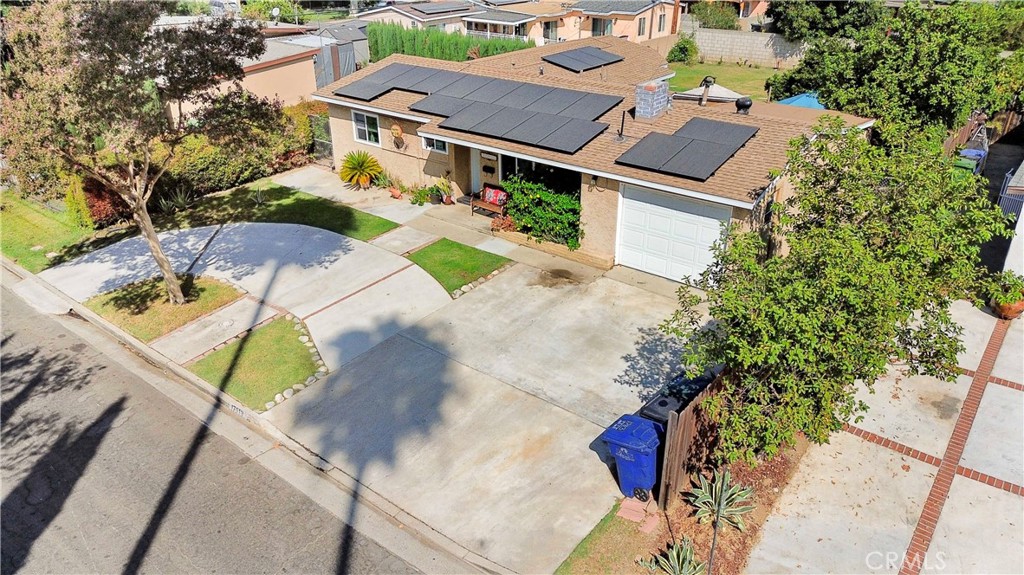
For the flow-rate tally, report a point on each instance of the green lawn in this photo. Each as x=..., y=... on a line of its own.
x=267, y=361
x=746, y=80
x=142, y=308
x=586, y=557
x=454, y=265
x=281, y=205
x=25, y=224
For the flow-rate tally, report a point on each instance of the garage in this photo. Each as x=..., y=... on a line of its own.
x=667, y=235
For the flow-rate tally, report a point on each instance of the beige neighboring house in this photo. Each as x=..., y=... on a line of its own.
x=649, y=200
x=446, y=16
x=633, y=20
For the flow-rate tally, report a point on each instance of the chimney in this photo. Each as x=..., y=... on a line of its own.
x=651, y=99
x=743, y=105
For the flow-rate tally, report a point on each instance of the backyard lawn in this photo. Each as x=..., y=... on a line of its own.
x=746, y=80
x=25, y=225
x=265, y=362
x=143, y=310
x=454, y=265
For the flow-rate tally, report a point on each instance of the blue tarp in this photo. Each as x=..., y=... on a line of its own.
x=805, y=100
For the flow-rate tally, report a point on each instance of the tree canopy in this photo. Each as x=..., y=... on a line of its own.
x=856, y=269
x=800, y=20
x=95, y=88
x=920, y=68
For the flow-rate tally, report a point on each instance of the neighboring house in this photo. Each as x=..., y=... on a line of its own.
x=633, y=20
x=654, y=197
x=446, y=16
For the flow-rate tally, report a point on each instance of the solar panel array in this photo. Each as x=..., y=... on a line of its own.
x=582, y=59
x=551, y=118
x=441, y=7
x=694, y=151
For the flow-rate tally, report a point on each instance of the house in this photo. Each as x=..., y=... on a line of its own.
x=656, y=178
x=446, y=16
x=633, y=20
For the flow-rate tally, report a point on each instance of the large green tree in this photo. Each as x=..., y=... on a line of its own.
x=923, y=67
x=856, y=270
x=800, y=20
x=90, y=87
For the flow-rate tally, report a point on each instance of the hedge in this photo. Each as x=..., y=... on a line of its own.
x=386, y=39
x=543, y=214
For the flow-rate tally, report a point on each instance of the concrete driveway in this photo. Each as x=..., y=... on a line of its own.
x=337, y=285
x=930, y=481
x=480, y=419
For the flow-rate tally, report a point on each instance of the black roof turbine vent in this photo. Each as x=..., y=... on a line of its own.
x=743, y=105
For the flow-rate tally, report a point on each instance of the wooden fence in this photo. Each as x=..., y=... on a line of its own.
x=1002, y=123
x=687, y=445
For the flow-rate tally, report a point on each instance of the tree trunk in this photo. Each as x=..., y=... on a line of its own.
x=141, y=217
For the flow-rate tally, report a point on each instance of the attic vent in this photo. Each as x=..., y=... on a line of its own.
x=651, y=99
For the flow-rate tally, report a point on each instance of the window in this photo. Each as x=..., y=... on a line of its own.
x=435, y=145
x=641, y=27
x=558, y=180
x=367, y=129
x=601, y=27
x=661, y=23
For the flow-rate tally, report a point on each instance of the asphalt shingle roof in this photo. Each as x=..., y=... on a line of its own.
x=613, y=6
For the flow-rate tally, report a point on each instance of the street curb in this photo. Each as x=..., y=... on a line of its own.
x=227, y=404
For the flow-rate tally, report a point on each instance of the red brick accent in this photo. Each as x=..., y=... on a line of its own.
x=893, y=445
x=967, y=372
x=922, y=538
x=989, y=480
x=1007, y=383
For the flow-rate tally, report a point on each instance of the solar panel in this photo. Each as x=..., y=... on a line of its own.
x=523, y=96
x=591, y=106
x=536, y=128
x=441, y=7
x=582, y=59
x=492, y=91
x=572, y=136
x=388, y=73
x=434, y=83
x=362, y=90
x=651, y=152
x=470, y=116
x=412, y=77
x=467, y=84
x=505, y=2
x=441, y=105
x=503, y=121
x=698, y=160
x=555, y=101
x=718, y=132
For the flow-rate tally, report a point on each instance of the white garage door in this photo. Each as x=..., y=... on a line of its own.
x=668, y=235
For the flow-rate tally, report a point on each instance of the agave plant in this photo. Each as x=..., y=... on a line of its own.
x=359, y=168
x=179, y=199
x=676, y=560
x=720, y=501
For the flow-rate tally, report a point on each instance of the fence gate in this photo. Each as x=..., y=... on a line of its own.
x=323, y=151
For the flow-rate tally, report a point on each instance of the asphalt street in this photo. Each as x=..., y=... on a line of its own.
x=101, y=473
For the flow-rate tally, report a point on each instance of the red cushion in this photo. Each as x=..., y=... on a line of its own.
x=495, y=196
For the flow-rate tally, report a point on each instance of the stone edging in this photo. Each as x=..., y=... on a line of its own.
x=472, y=285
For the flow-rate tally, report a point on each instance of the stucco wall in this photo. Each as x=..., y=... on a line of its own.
x=761, y=48
x=599, y=215
x=289, y=82
x=407, y=160
x=1015, y=257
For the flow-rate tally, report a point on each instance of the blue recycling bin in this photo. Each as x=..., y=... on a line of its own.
x=633, y=441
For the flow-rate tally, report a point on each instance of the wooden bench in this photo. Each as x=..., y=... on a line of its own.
x=491, y=199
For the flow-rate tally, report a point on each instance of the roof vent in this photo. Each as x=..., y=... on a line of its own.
x=651, y=99
x=743, y=105
x=706, y=83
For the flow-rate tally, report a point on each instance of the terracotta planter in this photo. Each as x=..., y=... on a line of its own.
x=395, y=193
x=1008, y=311
x=447, y=200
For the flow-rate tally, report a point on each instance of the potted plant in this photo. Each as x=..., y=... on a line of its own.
x=1007, y=294
x=389, y=182
x=359, y=168
x=444, y=188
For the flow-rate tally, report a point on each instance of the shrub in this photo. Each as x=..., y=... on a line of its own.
x=359, y=168
x=105, y=207
x=261, y=10
x=717, y=15
x=76, y=203
x=209, y=168
x=192, y=8
x=387, y=38
x=300, y=130
x=685, y=51
x=543, y=214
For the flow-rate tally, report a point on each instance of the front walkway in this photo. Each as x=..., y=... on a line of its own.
x=930, y=481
